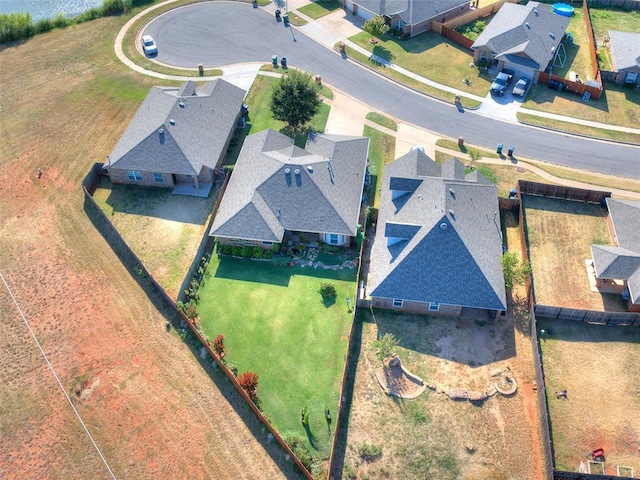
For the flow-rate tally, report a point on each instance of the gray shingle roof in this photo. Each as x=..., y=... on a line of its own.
x=276, y=186
x=439, y=243
x=625, y=49
x=412, y=12
x=621, y=262
x=179, y=130
x=526, y=35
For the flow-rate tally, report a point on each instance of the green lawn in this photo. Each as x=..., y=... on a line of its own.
x=276, y=325
x=382, y=121
x=321, y=8
x=382, y=149
x=259, y=100
x=431, y=56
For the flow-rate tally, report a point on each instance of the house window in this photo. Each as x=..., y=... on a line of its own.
x=333, y=238
x=484, y=55
x=267, y=244
x=188, y=175
x=134, y=175
x=631, y=77
x=398, y=302
x=434, y=306
x=158, y=177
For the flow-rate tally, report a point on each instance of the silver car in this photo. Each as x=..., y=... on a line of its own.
x=521, y=86
x=149, y=46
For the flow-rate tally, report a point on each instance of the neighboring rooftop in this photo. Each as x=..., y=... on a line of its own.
x=438, y=237
x=412, y=12
x=179, y=130
x=625, y=49
x=621, y=261
x=276, y=186
x=525, y=35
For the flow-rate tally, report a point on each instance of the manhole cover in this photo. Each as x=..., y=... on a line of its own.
x=521, y=170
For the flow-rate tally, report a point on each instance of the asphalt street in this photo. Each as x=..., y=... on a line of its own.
x=222, y=33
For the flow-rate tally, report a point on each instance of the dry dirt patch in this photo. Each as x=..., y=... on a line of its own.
x=157, y=412
x=433, y=435
x=598, y=366
x=559, y=234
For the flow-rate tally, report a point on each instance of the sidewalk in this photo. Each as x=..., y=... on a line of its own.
x=339, y=26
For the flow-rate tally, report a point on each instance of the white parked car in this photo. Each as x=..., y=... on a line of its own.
x=149, y=46
x=520, y=88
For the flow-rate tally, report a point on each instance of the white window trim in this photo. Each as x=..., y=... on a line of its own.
x=398, y=302
x=134, y=175
x=158, y=177
x=434, y=306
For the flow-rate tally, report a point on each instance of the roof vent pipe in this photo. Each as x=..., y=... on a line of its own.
x=287, y=171
x=297, y=171
x=443, y=226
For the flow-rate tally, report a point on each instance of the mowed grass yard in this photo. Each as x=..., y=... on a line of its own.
x=163, y=230
x=426, y=437
x=276, y=324
x=559, y=233
x=598, y=366
x=432, y=56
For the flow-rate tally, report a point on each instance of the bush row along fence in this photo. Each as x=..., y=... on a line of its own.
x=543, y=411
x=346, y=390
x=561, y=192
x=131, y=259
x=616, y=319
x=206, y=244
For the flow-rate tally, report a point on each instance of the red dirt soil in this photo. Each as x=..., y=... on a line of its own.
x=154, y=410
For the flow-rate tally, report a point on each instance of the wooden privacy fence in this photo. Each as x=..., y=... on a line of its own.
x=624, y=4
x=543, y=411
x=470, y=16
x=560, y=475
x=456, y=37
x=578, y=88
x=558, y=191
x=345, y=389
x=508, y=203
x=591, y=37
x=618, y=319
x=133, y=260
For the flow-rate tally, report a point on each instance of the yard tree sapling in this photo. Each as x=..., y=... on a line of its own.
x=376, y=27
x=515, y=272
x=385, y=345
x=328, y=290
x=295, y=99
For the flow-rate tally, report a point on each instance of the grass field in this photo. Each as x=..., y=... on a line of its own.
x=276, y=324
x=163, y=230
x=152, y=407
x=559, y=234
x=424, y=54
x=381, y=151
x=382, y=121
x=426, y=437
x=319, y=9
x=597, y=365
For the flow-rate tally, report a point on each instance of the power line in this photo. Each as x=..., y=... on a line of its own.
x=44, y=355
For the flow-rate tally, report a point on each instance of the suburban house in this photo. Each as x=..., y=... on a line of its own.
x=619, y=264
x=178, y=137
x=278, y=190
x=410, y=16
x=625, y=56
x=438, y=244
x=524, y=38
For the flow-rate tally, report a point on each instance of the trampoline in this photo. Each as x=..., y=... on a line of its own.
x=563, y=9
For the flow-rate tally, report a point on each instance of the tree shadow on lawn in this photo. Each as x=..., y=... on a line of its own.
x=159, y=202
x=440, y=337
x=247, y=270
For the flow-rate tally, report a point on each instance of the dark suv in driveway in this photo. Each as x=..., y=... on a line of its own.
x=499, y=85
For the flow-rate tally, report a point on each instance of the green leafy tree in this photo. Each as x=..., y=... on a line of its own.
x=515, y=272
x=295, y=99
x=376, y=26
x=385, y=345
x=328, y=290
